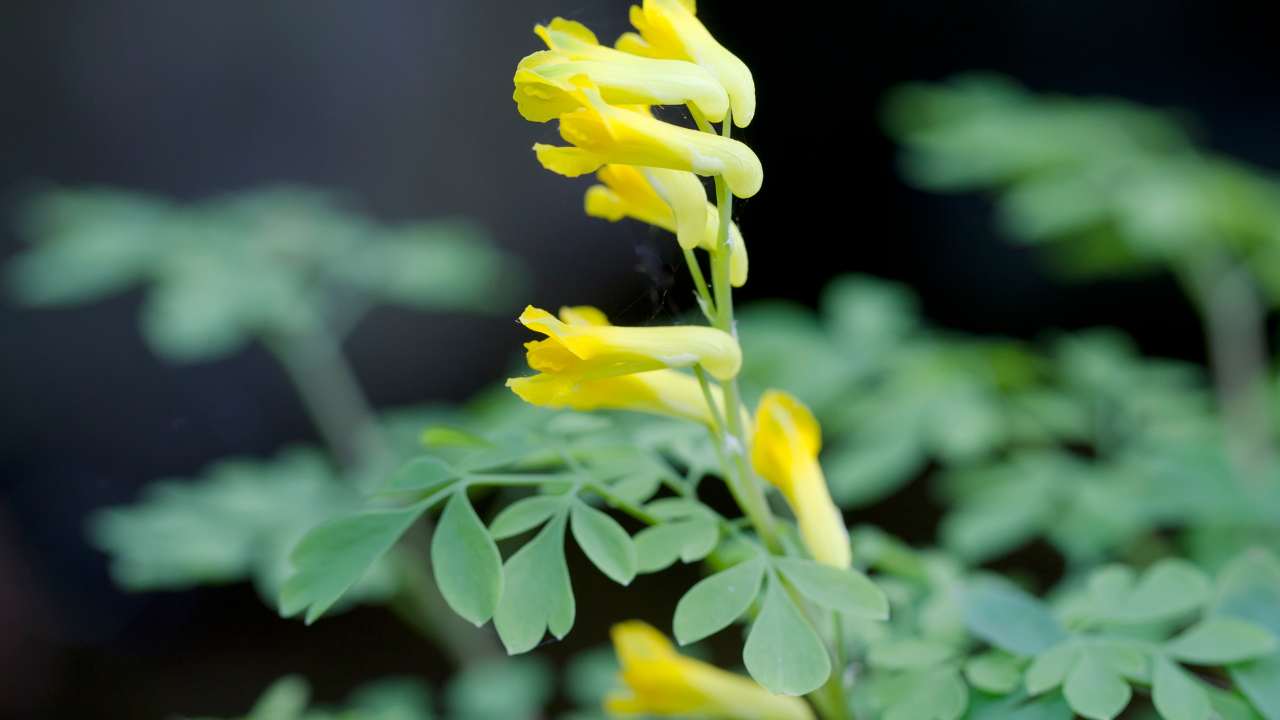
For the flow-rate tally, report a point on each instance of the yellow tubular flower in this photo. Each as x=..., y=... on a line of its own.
x=661, y=681
x=784, y=451
x=670, y=29
x=543, y=90
x=660, y=392
x=670, y=199
x=602, y=134
x=591, y=351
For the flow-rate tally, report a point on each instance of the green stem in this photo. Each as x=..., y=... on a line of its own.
x=332, y=396
x=837, y=704
x=700, y=282
x=731, y=435
x=1235, y=329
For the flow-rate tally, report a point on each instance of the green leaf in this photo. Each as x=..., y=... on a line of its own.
x=1010, y=619
x=467, y=565
x=994, y=672
x=526, y=514
x=1259, y=680
x=716, y=601
x=421, y=475
x=659, y=546
x=286, y=699
x=937, y=694
x=1095, y=691
x=391, y=698
x=510, y=689
x=1171, y=588
x=1221, y=641
x=1049, y=669
x=1230, y=705
x=536, y=595
x=1249, y=589
x=909, y=653
x=1176, y=695
x=334, y=556
x=1110, y=586
x=1127, y=657
x=605, y=543
x=843, y=590
x=782, y=652
x=448, y=436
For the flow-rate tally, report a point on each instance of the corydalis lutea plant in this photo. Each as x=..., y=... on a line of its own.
x=794, y=581
x=649, y=170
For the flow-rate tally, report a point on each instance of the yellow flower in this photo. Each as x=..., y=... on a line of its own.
x=602, y=134
x=670, y=199
x=670, y=29
x=592, y=350
x=543, y=90
x=569, y=385
x=784, y=451
x=659, y=392
x=661, y=681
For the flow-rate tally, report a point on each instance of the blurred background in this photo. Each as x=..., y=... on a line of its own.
x=403, y=108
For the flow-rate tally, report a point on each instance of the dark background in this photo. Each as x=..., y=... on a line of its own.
x=404, y=106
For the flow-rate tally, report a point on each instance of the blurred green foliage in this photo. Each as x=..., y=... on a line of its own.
x=264, y=263
x=1123, y=184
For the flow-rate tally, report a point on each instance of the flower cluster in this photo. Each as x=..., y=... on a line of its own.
x=602, y=98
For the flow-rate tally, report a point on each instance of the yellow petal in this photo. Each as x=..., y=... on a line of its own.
x=784, y=451
x=623, y=78
x=670, y=28
x=683, y=193
x=583, y=315
x=567, y=161
x=618, y=350
x=625, y=137
x=669, y=393
x=660, y=681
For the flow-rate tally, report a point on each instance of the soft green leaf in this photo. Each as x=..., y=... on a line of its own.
x=1177, y=696
x=909, y=653
x=446, y=436
x=783, y=652
x=507, y=689
x=937, y=694
x=1221, y=641
x=1095, y=691
x=994, y=672
x=1110, y=586
x=605, y=543
x=1127, y=657
x=659, y=546
x=466, y=562
x=536, y=595
x=334, y=556
x=393, y=698
x=716, y=601
x=286, y=699
x=420, y=475
x=1049, y=669
x=1249, y=589
x=1259, y=680
x=843, y=590
x=1009, y=618
x=525, y=514
x=590, y=676
x=1169, y=589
